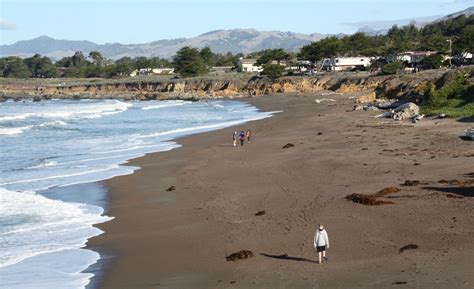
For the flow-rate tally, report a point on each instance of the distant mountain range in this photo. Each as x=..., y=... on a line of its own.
x=220, y=41
x=419, y=22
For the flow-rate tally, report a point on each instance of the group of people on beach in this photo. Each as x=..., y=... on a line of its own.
x=241, y=137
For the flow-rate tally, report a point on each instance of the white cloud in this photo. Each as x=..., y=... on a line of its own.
x=7, y=25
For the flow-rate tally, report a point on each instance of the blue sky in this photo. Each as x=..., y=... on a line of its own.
x=141, y=21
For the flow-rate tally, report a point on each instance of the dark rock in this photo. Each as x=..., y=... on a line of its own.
x=260, y=213
x=172, y=188
x=368, y=200
x=399, y=283
x=372, y=200
x=411, y=183
x=288, y=145
x=408, y=247
x=241, y=255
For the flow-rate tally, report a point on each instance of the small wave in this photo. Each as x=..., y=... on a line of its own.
x=13, y=130
x=163, y=105
x=52, y=124
x=44, y=164
x=87, y=111
x=60, y=176
x=14, y=117
x=19, y=130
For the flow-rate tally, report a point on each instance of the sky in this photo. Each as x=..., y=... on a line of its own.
x=142, y=21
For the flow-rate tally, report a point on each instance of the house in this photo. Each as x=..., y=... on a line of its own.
x=464, y=58
x=345, y=63
x=148, y=71
x=412, y=58
x=300, y=66
x=248, y=65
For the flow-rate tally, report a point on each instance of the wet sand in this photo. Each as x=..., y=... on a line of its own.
x=179, y=238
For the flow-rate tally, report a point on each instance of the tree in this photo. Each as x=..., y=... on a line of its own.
x=93, y=71
x=273, y=71
x=15, y=67
x=64, y=62
x=121, y=67
x=325, y=48
x=465, y=41
x=432, y=62
x=435, y=43
x=96, y=57
x=142, y=62
x=207, y=56
x=393, y=67
x=41, y=67
x=78, y=59
x=188, y=62
x=270, y=55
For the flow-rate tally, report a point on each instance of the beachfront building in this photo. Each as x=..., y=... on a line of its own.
x=151, y=71
x=300, y=66
x=345, y=63
x=248, y=65
x=464, y=58
x=411, y=58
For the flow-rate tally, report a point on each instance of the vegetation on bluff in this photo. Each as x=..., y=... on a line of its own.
x=454, y=98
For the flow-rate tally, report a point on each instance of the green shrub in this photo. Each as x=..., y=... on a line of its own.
x=393, y=67
x=455, y=98
x=273, y=71
x=432, y=62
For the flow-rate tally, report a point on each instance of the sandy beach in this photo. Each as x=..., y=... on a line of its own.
x=180, y=238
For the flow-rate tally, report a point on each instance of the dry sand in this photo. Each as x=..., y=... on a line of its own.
x=179, y=238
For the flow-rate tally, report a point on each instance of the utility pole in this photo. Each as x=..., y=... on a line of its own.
x=450, y=50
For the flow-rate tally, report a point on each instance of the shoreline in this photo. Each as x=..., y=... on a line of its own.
x=162, y=238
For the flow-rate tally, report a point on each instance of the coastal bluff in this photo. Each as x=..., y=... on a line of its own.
x=408, y=86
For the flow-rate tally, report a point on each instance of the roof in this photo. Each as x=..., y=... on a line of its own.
x=248, y=61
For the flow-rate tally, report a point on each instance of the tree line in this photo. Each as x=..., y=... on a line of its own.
x=187, y=62
x=450, y=36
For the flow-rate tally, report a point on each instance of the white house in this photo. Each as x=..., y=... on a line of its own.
x=345, y=63
x=248, y=65
x=411, y=57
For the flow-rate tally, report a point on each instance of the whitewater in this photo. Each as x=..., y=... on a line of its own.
x=60, y=143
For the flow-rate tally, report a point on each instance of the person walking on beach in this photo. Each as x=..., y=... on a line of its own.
x=242, y=138
x=321, y=242
x=234, y=138
x=248, y=134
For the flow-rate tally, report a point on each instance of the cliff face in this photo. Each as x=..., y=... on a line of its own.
x=412, y=86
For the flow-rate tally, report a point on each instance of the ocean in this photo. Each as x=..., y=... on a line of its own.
x=59, y=143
